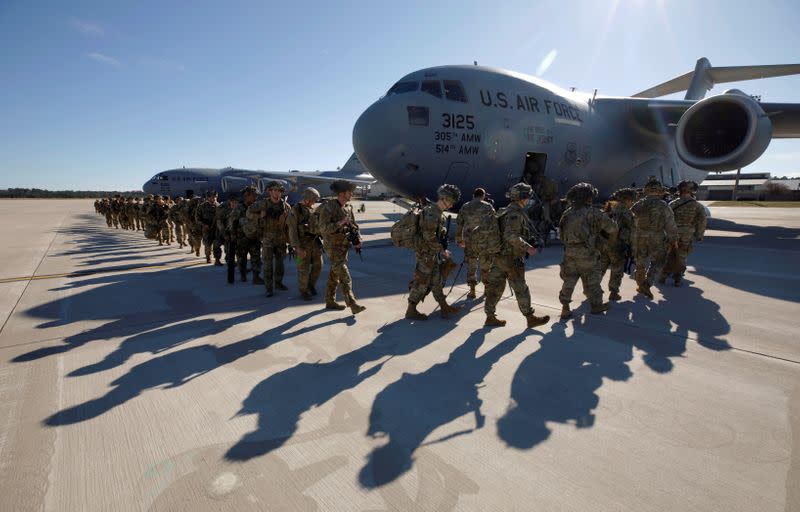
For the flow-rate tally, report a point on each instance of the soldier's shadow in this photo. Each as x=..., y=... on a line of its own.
x=282, y=398
x=408, y=410
x=176, y=368
x=558, y=384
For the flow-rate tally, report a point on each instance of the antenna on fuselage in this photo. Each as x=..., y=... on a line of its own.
x=474, y=62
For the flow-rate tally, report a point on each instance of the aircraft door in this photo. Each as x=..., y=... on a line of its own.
x=535, y=165
x=457, y=174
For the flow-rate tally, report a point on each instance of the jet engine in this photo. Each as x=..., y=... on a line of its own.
x=723, y=132
x=234, y=184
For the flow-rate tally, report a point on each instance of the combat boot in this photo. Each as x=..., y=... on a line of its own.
x=269, y=292
x=614, y=296
x=600, y=308
x=566, y=313
x=208, y=259
x=644, y=289
x=334, y=306
x=312, y=290
x=662, y=279
x=217, y=263
x=197, y=252
x=243, y=275
x=493, y=321
x=447, y=309
x=536, y=321
x=356, y=308
x=305, y=295
x=677, y=280
x=257, y=279
x=413, y=314
x=471, y=294
x=281, y=286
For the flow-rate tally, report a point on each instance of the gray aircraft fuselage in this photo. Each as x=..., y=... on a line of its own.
x=413, y=140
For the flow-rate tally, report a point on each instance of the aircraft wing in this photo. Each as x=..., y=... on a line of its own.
x=662, y=116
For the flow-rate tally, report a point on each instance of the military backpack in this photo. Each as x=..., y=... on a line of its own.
x=486, y=236
x=405, y=232
x=314, y=225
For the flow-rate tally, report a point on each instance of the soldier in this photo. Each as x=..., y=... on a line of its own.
x=167, y=233
x=613, y=256
x=116, y=205
x=176, y=216
x=193, y=228
x=509, y=264
x=246, y=232
x=228, y=228
x=271, y=213
x=655, y=232
x=431, y=255
x=106, y=205
x=339, y=230
x=306, y=243
x=205, y=217
x=690, y=218
x=469, y=238
x=157, y=216
x=221, y=231
x=578, y=229
x=547, y=191
x=138, y=214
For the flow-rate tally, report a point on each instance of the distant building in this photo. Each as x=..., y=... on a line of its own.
x=753, y=186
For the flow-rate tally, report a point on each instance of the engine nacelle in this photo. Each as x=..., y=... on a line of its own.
x=234, y=184
x=723, y=132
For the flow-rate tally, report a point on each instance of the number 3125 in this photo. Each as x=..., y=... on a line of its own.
x=458, y=121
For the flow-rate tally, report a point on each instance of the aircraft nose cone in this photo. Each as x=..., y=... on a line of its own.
x=367, y=135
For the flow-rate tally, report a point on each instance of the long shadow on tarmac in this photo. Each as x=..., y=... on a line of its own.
x=409, y=409
x=281, y=399
x=179, y=367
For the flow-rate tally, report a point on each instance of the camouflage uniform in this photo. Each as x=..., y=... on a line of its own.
x=690, y=218
x=336, y=243
x=221, y=221
x=469, y=218
x=205, y=216
x=176, y=216
x=115, y=209
x=301, y=237
x=157, y=218
x=427, y=277
x=194, y=229
x=579, y=228
x=613, y=256
x=655, y=231
x=271, y=218
x=247, y=242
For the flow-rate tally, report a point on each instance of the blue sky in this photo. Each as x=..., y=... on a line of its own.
x=101, y=95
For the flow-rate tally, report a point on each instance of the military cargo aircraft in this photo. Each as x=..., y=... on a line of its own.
x=228, y=180
x=480, y=126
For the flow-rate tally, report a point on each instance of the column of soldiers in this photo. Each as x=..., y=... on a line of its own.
x=260, y=232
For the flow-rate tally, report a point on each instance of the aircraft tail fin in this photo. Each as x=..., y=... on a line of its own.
x=704, y=76
x=353, y=166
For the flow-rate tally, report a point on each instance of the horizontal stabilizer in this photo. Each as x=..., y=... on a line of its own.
x=704, y=76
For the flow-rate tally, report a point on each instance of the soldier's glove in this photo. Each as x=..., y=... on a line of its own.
x=446, y=268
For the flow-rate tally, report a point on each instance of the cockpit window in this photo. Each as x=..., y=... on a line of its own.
x=162, y=177
x=454, y=91
x=403, y=87
x=432, y=87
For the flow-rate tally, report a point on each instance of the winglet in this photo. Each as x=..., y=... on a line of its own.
x=704, y=76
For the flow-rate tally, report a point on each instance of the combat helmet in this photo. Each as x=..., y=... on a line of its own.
x=449, y=192
x=340, y=186
x=276, y=184
x=311, y=193
x=519, y=191
x=623, y=194
x=653, y=186
x=687, y=186
x=581, y=193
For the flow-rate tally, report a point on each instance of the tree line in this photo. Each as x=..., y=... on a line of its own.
x=38, y=193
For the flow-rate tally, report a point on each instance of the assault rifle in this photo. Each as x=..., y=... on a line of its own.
x=353, y=235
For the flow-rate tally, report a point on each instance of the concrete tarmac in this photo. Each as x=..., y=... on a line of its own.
x=133, y=377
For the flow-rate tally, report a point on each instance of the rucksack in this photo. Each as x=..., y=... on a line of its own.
x=405, y=232
x=486, y=236
x=313, y=220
